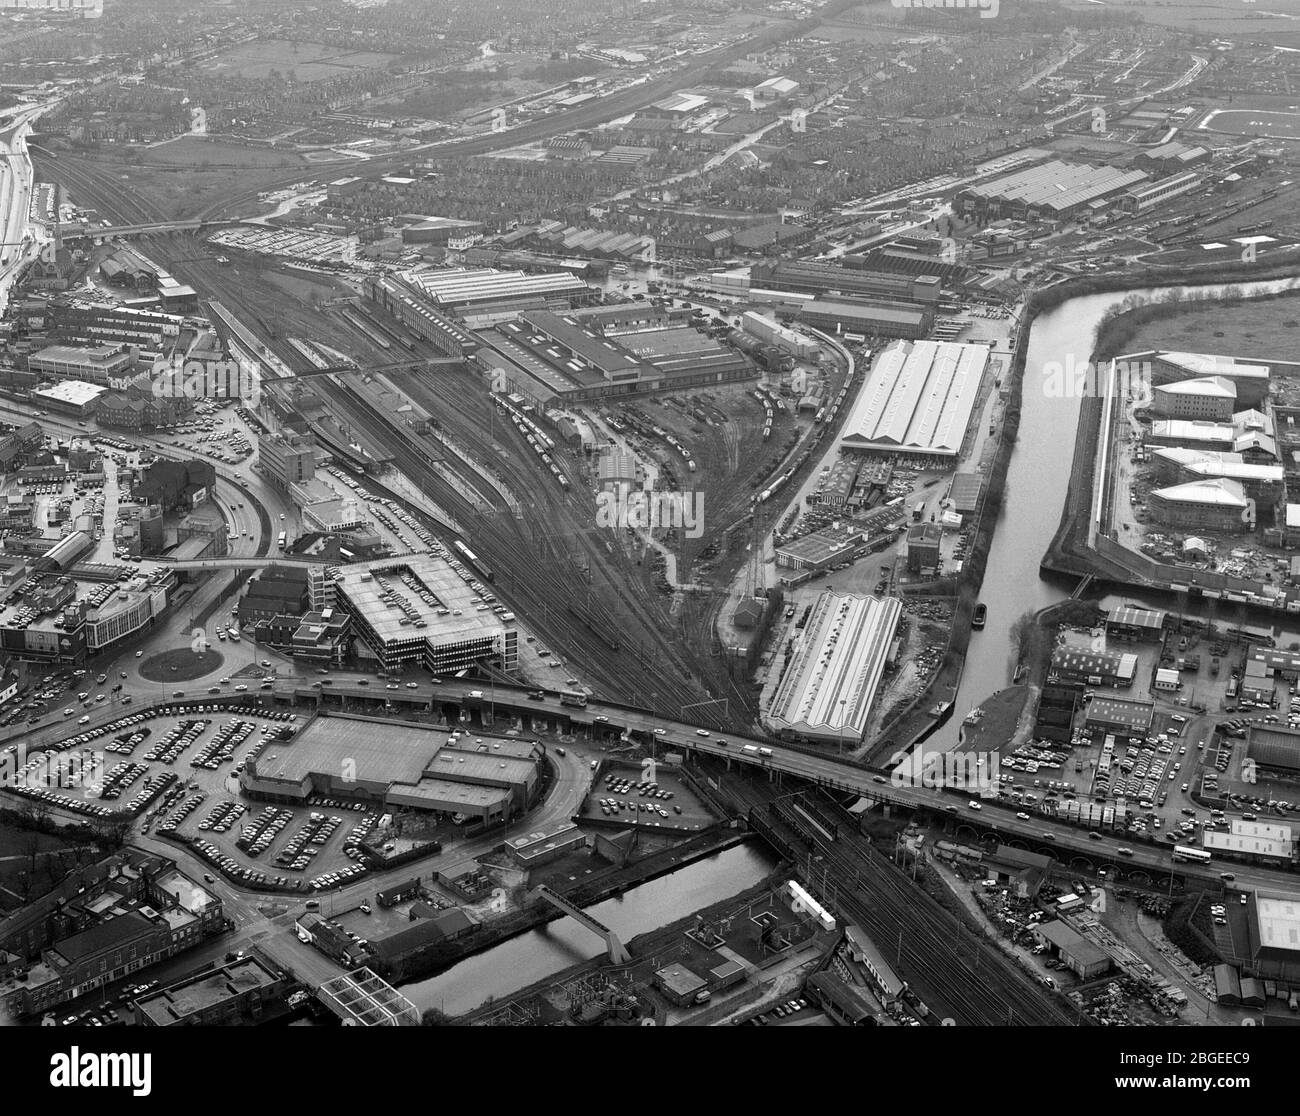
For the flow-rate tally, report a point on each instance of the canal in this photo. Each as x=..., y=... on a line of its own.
x=533, y=956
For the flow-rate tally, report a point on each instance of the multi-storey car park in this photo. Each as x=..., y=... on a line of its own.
x=419, y=610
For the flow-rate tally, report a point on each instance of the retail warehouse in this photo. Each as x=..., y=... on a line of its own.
x=397, y=765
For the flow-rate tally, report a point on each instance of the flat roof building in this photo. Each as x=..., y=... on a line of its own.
x=416, y=609
x=397, y=765
x=236, y=993
x=832, y=678
x=99, y=364
x=1081, y=664
x=71, y=397
x=1120, y=715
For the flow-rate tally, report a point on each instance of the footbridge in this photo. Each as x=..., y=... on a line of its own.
x=250, y=562
x=614, y=947
x=120, y=231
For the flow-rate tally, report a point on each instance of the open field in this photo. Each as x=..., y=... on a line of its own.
x=1263, y=328
x=189, y=151
x=305, y=61
x=1278, y=24
x=1254, y=122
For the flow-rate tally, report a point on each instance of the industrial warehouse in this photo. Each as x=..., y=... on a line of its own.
x=830, y=681
x=547, y=357
x=1055, y=190
x=918, y=400
x=397, y=766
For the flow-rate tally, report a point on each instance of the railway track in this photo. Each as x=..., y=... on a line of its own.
x=656, y=667
x=957, y=967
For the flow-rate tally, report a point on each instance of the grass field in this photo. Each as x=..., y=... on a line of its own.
x=1278, y=24
x=1263, y=328
x=1254, y=122
x=180, y=665
x=190, y=151
x=306, y=61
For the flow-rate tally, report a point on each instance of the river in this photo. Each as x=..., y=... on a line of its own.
x=531, y=957
x=1037, y=479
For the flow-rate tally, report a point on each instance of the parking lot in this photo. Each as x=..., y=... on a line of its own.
x=631, y=795
x=177, y=768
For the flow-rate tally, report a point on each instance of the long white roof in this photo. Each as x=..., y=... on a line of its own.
x=831, y=684
x=1225, y=493
x=918, y=397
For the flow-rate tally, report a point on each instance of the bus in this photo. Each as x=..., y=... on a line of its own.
x=282, y=540
x=573, y=697
x=1192, y=856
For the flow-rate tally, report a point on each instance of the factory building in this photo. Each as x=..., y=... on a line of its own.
x=1085, y=959
x=847, y=281
x=1149, y=195
x=1209, y=398
x=1274, y=749
x=101, y=364
x=418, y=610
x=407, y=303
x=823, y=548
x=765, y=329
x=1136, y=624
x=481, y=297
x=917, y=400
x=1213, y=505
x=1274, y=935
x=1054, y=190
x=875, y=317
x=830, y=682
x=1094, y=668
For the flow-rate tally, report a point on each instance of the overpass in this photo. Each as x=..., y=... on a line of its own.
x=614, y=948
x=1044, y=830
